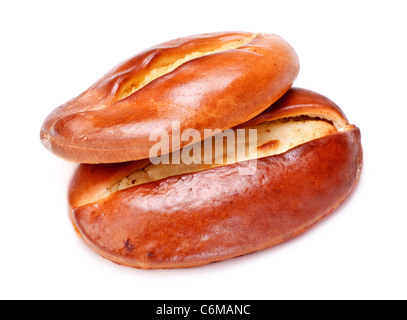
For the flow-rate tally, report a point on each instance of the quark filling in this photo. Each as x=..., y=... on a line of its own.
x=273, y=137
x=165, y=66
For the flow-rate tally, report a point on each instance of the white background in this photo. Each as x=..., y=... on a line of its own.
x=354, y=52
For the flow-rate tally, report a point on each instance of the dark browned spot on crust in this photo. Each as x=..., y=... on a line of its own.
x=272, y=144
x=128, y=245
x=304, y=118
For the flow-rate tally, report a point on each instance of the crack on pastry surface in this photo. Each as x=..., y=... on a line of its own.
x=273, y=137
x=165, y=68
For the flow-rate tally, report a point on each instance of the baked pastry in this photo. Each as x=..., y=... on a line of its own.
x=145, y=215
x=207, y=81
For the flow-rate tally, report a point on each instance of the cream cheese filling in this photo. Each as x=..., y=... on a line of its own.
x=166, y=67
x=274, y=137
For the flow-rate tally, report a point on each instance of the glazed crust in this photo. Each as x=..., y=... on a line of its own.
x=298, y=102
x=216, y=214
x=229, y=87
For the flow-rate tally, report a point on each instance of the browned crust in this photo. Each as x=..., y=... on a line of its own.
x=91, y=180
x=228, y=88
x=198, y=218
x=299, y=102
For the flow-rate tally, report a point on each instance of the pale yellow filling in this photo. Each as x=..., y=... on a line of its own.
x=159, y=71
x=273, y=138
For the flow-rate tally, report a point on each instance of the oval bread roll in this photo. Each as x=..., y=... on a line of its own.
x=207, y=81
x=148, y=215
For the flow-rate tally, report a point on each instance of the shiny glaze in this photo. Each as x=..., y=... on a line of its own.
x=198, y=218
x=217, y=91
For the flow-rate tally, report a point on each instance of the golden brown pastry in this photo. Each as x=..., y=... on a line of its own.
x=171, y=216
x=208, y=81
